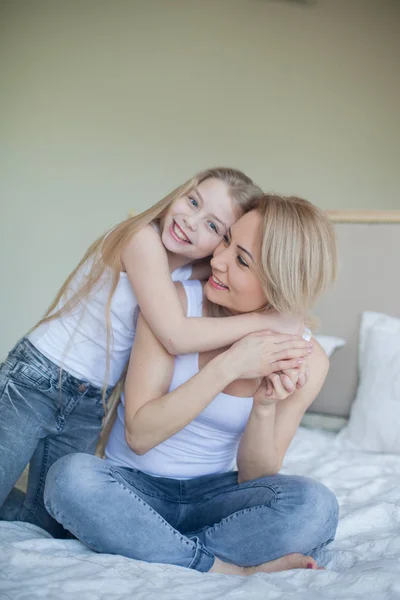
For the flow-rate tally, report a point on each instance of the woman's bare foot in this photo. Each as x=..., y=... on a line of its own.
x=290, y=561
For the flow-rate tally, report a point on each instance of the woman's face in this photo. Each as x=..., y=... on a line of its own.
x=195, y=223
x=234, y=282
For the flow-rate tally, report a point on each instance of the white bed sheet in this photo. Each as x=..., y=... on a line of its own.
x=363, y=561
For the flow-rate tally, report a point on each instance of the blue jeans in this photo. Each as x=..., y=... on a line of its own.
x=41, y=419
x=117, y=510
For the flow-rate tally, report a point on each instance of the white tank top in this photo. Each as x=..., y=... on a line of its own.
x=77, y=341
x=205, y=446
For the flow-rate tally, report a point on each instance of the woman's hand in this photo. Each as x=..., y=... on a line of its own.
x=303, y=374
x=276, y=387
x=301, y=380
x=263, y=353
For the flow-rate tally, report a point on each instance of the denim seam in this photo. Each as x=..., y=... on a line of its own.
x=235, y=515
x=200, y=551
x=318, y=548
x=71, y=404
x=160, y=518
x=206, y=497
x=42, y=479
x=144, y=490
x=182, y=508
x=6, y=382
x=30, y=353
x=37, y=362
x=25, y=380
x=158, y=496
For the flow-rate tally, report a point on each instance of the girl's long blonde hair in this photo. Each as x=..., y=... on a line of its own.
x=298, y=253
x=105, y=252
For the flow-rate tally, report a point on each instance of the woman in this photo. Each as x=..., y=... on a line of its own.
x=167, y=491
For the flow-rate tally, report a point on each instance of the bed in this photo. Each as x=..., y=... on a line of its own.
x=364, y=559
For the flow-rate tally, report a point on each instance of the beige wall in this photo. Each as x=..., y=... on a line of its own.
x=107, y=105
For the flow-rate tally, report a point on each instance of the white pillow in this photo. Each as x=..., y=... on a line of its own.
x=329, y=343
x=374, y=422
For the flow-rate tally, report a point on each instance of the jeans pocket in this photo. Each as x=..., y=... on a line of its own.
x=29, y=376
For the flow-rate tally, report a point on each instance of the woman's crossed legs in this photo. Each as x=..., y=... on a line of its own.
x=200, y=523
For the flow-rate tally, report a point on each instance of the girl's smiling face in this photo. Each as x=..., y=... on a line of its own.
x=196, y=223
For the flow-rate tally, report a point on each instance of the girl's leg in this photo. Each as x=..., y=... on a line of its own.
x=41, y=419
x=25, y=408
x=78, y=421
x=121, y=511
x=260, y=520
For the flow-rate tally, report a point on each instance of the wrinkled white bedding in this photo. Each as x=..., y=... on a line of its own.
x=363, y=561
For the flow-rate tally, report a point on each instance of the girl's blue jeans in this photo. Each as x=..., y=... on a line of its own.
x=42, y=417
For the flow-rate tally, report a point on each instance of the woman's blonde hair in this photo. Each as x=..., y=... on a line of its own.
x=105, y=252
x=298, y=253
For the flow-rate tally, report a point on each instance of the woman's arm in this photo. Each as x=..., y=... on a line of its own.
x=152, y=415
x=146, y=264
x=273, y=421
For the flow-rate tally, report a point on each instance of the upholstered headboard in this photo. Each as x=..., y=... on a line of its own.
x=368, y=279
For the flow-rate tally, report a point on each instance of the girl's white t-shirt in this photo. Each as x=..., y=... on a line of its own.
x=77, y=341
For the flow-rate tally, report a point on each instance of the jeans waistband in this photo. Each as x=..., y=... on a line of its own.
x=30, y=353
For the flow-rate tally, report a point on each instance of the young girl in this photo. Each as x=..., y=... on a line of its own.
x=54, y=383
x=168, y=490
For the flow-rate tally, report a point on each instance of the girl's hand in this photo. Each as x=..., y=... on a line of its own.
x=263, y=353
x=271, y=389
